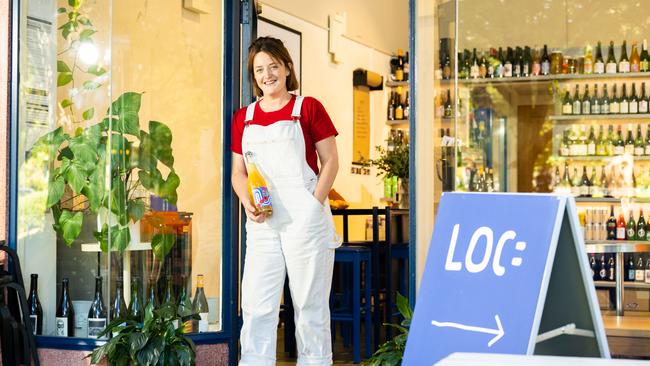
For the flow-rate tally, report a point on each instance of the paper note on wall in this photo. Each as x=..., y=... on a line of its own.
x=361, y=138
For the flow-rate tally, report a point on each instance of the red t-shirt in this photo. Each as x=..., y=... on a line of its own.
x=315, y=123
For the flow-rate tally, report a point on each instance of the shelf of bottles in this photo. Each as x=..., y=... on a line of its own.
x=398, y=107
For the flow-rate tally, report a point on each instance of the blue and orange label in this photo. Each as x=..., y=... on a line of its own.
x=261, y=197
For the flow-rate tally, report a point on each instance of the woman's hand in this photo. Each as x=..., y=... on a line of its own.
x=252, y=213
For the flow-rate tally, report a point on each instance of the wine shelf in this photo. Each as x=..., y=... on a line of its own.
x=626, y=284
x=588, y=117
x=548, y=78
x=612, y=199
x=616, y=246
x=632, y=158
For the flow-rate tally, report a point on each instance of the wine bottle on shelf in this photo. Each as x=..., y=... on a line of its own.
x=624, y=102
x=603, y=269
x=169, y=298
x=611, y=269
x=629, y=269
x=575, y=183
x=482, y=66
x=498, y=69
x=474, y=69
x=593, y=266
x=647, y=141
x=406, y=66
x=639, y=143
x=407, y=107
x=585, y=184
x=604, y=186
x=624, y=62
x=630, y=228
x=118, y=305
x=546, y=62
x=577, y=103
x=641, y=228
x=97, y=314
x=152, y=296
x=647, y=270
x=620, y=227
x=644, y=65
x=399, y=108
x=449, y=110
x=567, y=103
x=589, y=60
x=629, y=142
x=586, y=101
x=619, y=143
x=201, y=305
x=507, y=66
x=601, y=143
x=536, y=69
x=643, y=101
x=136, y=309
x=391, y=108
x=517, y=63
x=635, y=60
x=527, y=60
x=581, y=144
x=604, y=103
x=557, y=180
x=566, y=179
x=595, y=101
x=634, y=101
x=610, y=66
x=611, y=225
x=64, y=322
x=185, y=307
x=599, y=64
x=34, y=306
x=614, y=104
x=591, y=142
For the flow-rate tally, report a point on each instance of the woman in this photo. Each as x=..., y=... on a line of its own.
x=286, y=135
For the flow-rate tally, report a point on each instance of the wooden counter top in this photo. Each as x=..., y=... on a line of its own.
x=627, y=326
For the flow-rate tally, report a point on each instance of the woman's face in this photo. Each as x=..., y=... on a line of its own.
x=270, y=74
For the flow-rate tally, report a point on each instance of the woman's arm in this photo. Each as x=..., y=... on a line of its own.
x=329, y=161
x=239, y=179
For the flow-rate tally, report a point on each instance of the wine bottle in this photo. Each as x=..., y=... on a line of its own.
x=585, y=184
x=647, y=271
x=610, y=66
x=595, y=101
x=629, y=142
x=118, y=305
x=644, y=65
x=97, y=313
x=407, y=107
x=611, y=269
x=586, y=101
x=603, y=273
x=629, y=269
x=399, y=108
x=546, y=62
x=152, y=296
x=591, y=142
x=639, y=143
x=604, y=103
x=482, y=66
x=624, y=102
x=624, y=62
x=474, y=69
x=634, y=101
x=185, y=309
x=507, y=66
x=614, y=104
x=643, y=101
x=604, y=186
x=577, y=103
x=536, y=68
x=611, y=225
x=620, y=227
x=589, y=60
x=599, y=64
x=635, y=60
x=390, y=111
x=593, y=266
x=34, y=306
x=449, y=109
x=136, y=311
x=498, y=69
x=630, y=228
x=201, y=305
x=65, y=313
x=647, y=141
x=601, y=143
x=641, y=228
x=517, y=63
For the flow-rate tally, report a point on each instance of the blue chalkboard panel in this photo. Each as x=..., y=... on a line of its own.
x=486, y=275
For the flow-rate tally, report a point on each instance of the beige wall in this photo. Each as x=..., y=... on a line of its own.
x=332, y=85
x=559, y=23
x=379, y=24
x=174, y=56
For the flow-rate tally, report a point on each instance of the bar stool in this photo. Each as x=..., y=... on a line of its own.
x=351, y=308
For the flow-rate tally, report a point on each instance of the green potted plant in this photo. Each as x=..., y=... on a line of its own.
x=156, y=341
x=391, y=352
x=108, y=168
x=393, y=163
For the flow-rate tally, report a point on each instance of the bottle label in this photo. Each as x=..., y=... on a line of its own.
x=595, y=108
x=614, y=108
x=536, y=68
x=643, y=106
x=630, y=233
x=584, y=190
x=639, y=275
x=634, y=67
x=647, y=276
x=34, y=320
x=625, y=108
x=586, y=107
x=641, y=234
x=546, y=68
x=644, y=66
x=610, y=68
x=588, y=67
x=619, y=150
x=620, y=233
x=95, y=326
x=647, y=149
x=604, y=109
x=603, y=274
x=564, y=151
x=203, y=323
x=474, y=71
x=599, y=68
x=576, y=107
x=634, y=107
x=624, y=66
x=61, y=326
x=638, y=151
x=507, y=70
x=591, y=149
x=261, y=197
x=630, y=274
x=567, y=108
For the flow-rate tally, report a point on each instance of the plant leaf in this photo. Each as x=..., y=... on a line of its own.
x=65, y=103
x=120, y=238
x=167, y=190
x=86, y=34
x=96, y=70
x=127, y=107
x=137, y=341
x=403, y=306
x=61, y=66
x=74, y=3
x=91, y=85
x=64, y=78
x=136, y=209
x=85, y=21
x=61, y=10
x=161, y=245
x=94, y=190
x=70, y=225
x=55, y=191
x=88, y=114
x=76, y=175
x=161, y=136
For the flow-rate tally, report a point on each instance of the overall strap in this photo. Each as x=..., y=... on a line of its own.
x=297, y=106
x=249, y=112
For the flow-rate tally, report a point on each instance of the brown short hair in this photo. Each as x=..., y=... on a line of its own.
x=275, y=48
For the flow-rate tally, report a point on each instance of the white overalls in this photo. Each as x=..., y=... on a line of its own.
x=299, y=236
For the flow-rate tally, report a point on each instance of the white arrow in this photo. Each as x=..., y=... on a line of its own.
x=497, y=332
